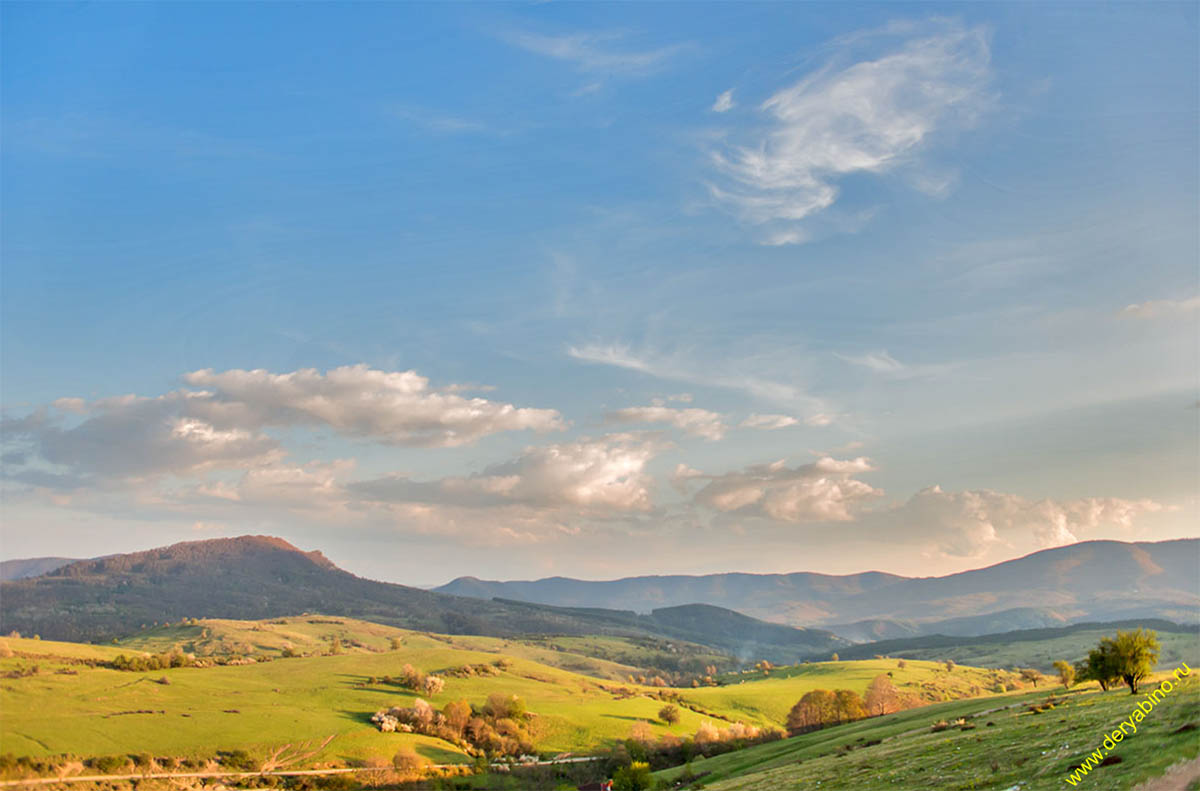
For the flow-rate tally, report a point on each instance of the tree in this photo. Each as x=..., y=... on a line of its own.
x=1134, y=655
x=834, y=658
x=881, y=697
x=1066, y=673
x=848, y=706
x=949, y=665
x=1031, y=675
x=641, y=732
x=457, y=714
x=816, y=709
x=900, y=663
x=669, y=714
x=433, y=685
x=1100, y=666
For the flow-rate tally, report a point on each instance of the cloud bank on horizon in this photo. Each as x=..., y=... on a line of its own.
x=763, y=291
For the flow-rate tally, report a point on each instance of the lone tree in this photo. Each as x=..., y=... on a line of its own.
x=1031, y=675
x=1134, y=655
x=1066, y=673
x=834, y=658
x=881, y=697
x=669, y=714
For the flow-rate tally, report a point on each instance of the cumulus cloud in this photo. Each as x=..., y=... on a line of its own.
x=395, y=407
x=868, y=117
x=969, y=523
x=132, y=437
x=724, y=102
x=824, y=491
x=769, y=422
x=1160, y=308
x=697, y=422
x=603, y=474
x=187, y=432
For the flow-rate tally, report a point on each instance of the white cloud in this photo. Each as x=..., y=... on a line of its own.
x=1160, y=308
x=189, y=432
x=603, y=474
x=133, y=437
x=769, y=422
x=391, y=407
x=869, y=117
x=698, y=422
x=819, y=420
x=824, y=491
x=969, y=523
x=724, y=102
x=594, y=52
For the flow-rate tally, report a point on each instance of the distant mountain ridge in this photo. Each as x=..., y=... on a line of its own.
x=256, y=577
x=1094, y=580
x=31, y=567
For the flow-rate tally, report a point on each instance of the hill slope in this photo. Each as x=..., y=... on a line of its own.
x=254, y=577
x=1094, y=580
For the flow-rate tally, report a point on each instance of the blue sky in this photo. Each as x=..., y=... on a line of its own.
x=514, y=290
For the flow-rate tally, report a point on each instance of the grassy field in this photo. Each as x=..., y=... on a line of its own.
x=68, y=707
x=1009, y=747
x=1176, y=647
x=312, y=635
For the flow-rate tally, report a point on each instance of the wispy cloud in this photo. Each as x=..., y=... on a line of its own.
x=435, y=121
x=710, y=373
x=1160, y=308
x=769, y=422
x=724, y=102
x=694, y=421
x=596, y=52
x=870, y=117
x=879, y=361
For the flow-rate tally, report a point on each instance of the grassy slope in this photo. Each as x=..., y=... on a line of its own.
x=1036, y=751
x=309, y=698
x=602, y=656
x=1041, y=654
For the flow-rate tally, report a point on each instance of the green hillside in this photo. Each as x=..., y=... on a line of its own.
x=1005, y=745
x=1037, y=648
x=54, y=702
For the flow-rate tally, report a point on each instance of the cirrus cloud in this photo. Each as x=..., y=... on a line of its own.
x=870, y=117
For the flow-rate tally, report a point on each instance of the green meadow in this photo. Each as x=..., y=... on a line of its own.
x=1176, y=647
x=68, y=707
x=1005, y=744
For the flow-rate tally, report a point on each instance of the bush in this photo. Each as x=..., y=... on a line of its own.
x=108, y=764
x=635, y=777
x=239, y=760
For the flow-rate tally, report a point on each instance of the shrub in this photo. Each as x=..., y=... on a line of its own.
x=635, y=777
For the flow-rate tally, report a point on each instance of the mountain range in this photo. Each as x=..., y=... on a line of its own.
x=1088, y=581
x=256, y=577
x=781, y=617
